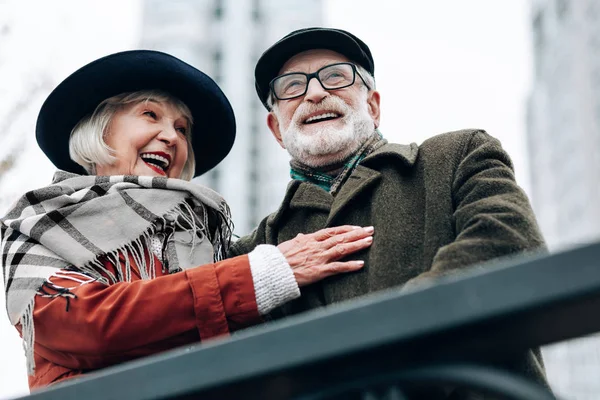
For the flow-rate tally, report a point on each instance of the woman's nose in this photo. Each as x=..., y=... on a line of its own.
x=168, y=135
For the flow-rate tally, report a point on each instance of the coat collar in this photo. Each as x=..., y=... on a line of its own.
x=407, y=153
x=306, y=195
x=361, y=179
x=309, y=195
x=364, y=177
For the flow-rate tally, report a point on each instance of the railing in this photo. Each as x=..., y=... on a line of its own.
x=381, y=346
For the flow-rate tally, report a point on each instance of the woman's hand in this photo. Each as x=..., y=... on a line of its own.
x=314, y=256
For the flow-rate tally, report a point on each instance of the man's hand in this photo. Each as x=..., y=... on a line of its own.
x=315, y=256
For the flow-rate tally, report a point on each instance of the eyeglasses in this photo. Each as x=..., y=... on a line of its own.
x=331, y=77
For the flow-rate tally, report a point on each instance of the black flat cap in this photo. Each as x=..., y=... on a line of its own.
x=271, y=61
x=80, y=93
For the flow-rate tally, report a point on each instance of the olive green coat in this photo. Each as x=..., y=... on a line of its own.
x=447, y=204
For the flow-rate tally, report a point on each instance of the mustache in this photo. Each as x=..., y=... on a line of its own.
x=331, y=104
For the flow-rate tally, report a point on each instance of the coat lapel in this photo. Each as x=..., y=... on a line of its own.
x=406, y=153
x=301, y=195
x=363, y=177
x=306, y=195
x=311, y=196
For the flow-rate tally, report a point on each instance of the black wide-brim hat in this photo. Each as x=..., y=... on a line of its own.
x=78, y=96
x=338, y=40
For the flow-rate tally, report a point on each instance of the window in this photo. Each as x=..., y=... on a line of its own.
x=562, y=8
x=256, y=12
x=538, y=29
x=539, y=40
x=219, y=9
x=218, y=65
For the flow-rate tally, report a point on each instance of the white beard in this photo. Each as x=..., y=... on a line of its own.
x=328, y=145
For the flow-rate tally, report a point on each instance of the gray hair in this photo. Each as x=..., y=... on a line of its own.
x=87, y=146
x=363, y=72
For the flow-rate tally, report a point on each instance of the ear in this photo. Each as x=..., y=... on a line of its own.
x=273, y=124
x=373, y=102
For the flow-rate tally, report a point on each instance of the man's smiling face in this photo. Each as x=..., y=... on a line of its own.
x=323, y=127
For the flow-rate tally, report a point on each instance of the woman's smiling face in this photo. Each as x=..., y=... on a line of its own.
x=149, y=139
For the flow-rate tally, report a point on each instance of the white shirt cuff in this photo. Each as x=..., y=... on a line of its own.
x=274, y=282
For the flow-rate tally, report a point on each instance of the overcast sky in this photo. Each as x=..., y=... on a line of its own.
x=440, y=65
x=446, y=65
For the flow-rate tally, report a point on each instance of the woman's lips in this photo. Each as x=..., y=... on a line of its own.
x=155, y=169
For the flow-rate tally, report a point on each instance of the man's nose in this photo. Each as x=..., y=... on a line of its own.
x=315, y=92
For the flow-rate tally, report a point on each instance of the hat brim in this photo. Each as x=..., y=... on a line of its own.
x=79, y=95
x=273, y=59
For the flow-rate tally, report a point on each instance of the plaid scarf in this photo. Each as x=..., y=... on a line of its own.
x=80, y=222
x=332, y=177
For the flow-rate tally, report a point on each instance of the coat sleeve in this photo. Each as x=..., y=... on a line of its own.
x=492, y=215
x=246, y=244
x=105, y=325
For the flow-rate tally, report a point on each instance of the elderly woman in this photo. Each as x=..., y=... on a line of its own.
x=121, y=256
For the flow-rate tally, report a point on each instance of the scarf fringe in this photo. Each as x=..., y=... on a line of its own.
x=183, y=217
x=28, y=334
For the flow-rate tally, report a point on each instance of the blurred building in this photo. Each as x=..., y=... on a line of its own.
x=564, y=153
x=224, y=38
x=564, y=120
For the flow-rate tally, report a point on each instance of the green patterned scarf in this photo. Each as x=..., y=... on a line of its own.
x=331, y=177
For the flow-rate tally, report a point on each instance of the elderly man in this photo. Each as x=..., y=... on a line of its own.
x=447, y=204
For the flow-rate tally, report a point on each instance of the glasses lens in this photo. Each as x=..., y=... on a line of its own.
x=336, y=76
x=291, y=85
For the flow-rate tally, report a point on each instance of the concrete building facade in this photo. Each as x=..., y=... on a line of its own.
x=564, y=156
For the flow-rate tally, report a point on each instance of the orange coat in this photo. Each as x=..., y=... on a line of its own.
x=108, y=325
